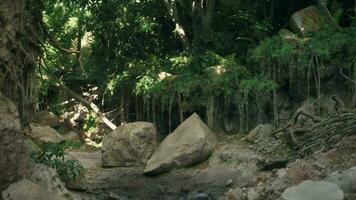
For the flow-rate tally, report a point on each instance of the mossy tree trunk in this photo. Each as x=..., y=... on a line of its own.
x=19, y=52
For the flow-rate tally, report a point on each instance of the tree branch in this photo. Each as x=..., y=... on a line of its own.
x=91, y=105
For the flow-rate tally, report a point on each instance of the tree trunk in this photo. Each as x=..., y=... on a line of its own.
x=171, y=6
x=19, y=52
x=170, y=114
x=210, y=112
x=275, y=100
x=153, y=110
x=326, y=13
x=203, y=12
x=123, y=106
x=354, y=84
x=78, y=64
x=180, y=108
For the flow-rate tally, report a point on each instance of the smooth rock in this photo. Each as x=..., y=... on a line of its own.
x=229, y=183
x=131, y=144
x=346, y=180
x=45, y=134
x=191, y=143
x=259, y=132
x=314, y=190
x=27, y=190
x=49, y=180
x=306, y=21
x=201, y=196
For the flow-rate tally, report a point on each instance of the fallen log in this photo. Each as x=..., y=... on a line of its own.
x=89, y=104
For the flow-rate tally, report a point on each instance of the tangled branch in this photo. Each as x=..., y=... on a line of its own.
x=324, y=132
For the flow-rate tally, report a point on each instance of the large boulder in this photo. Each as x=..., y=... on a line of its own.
x=306, y=21
x=346, y=180
x=192, y=142
x=46, y=119
x=131, y=144
x=44, y=134
x=259, y=132
x=313, y=190
x=28, y=190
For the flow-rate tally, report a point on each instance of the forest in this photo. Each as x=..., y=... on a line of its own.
x=178, y=99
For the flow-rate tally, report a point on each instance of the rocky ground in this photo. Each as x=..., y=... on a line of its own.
x=208, y=180
x=192, y=163
x=231, y=173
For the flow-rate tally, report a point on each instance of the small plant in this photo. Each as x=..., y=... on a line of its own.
x=52, y=155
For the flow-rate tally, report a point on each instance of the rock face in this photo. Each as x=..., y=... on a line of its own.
x=45, y=134
x=346, y=180
x=131, y=144
x=306, y=20
x=192, y=142
x=26, y=189
x=261, y=131
x=9, y=116
x=46, y=119
x=313, y=190
x=14, y=160
x=13, y=157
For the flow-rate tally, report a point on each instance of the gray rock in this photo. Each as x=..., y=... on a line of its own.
x=235, y=194
x=238, y=157
x=46, y=119
x=259, y=132
x=229, y=183
x=201, y=196
x=72, y=136
x=252, y=194
x=44, y=134
x=131, y=144
x=306, y=21
x=313, y=190
x=27, y=190
x=192, y=142
x=49, y=180
x=346, y=180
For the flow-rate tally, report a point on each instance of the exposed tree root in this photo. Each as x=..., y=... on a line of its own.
x=321, y=135
x=324, y=134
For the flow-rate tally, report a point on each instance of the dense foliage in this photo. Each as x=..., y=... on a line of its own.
x=162, y=59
